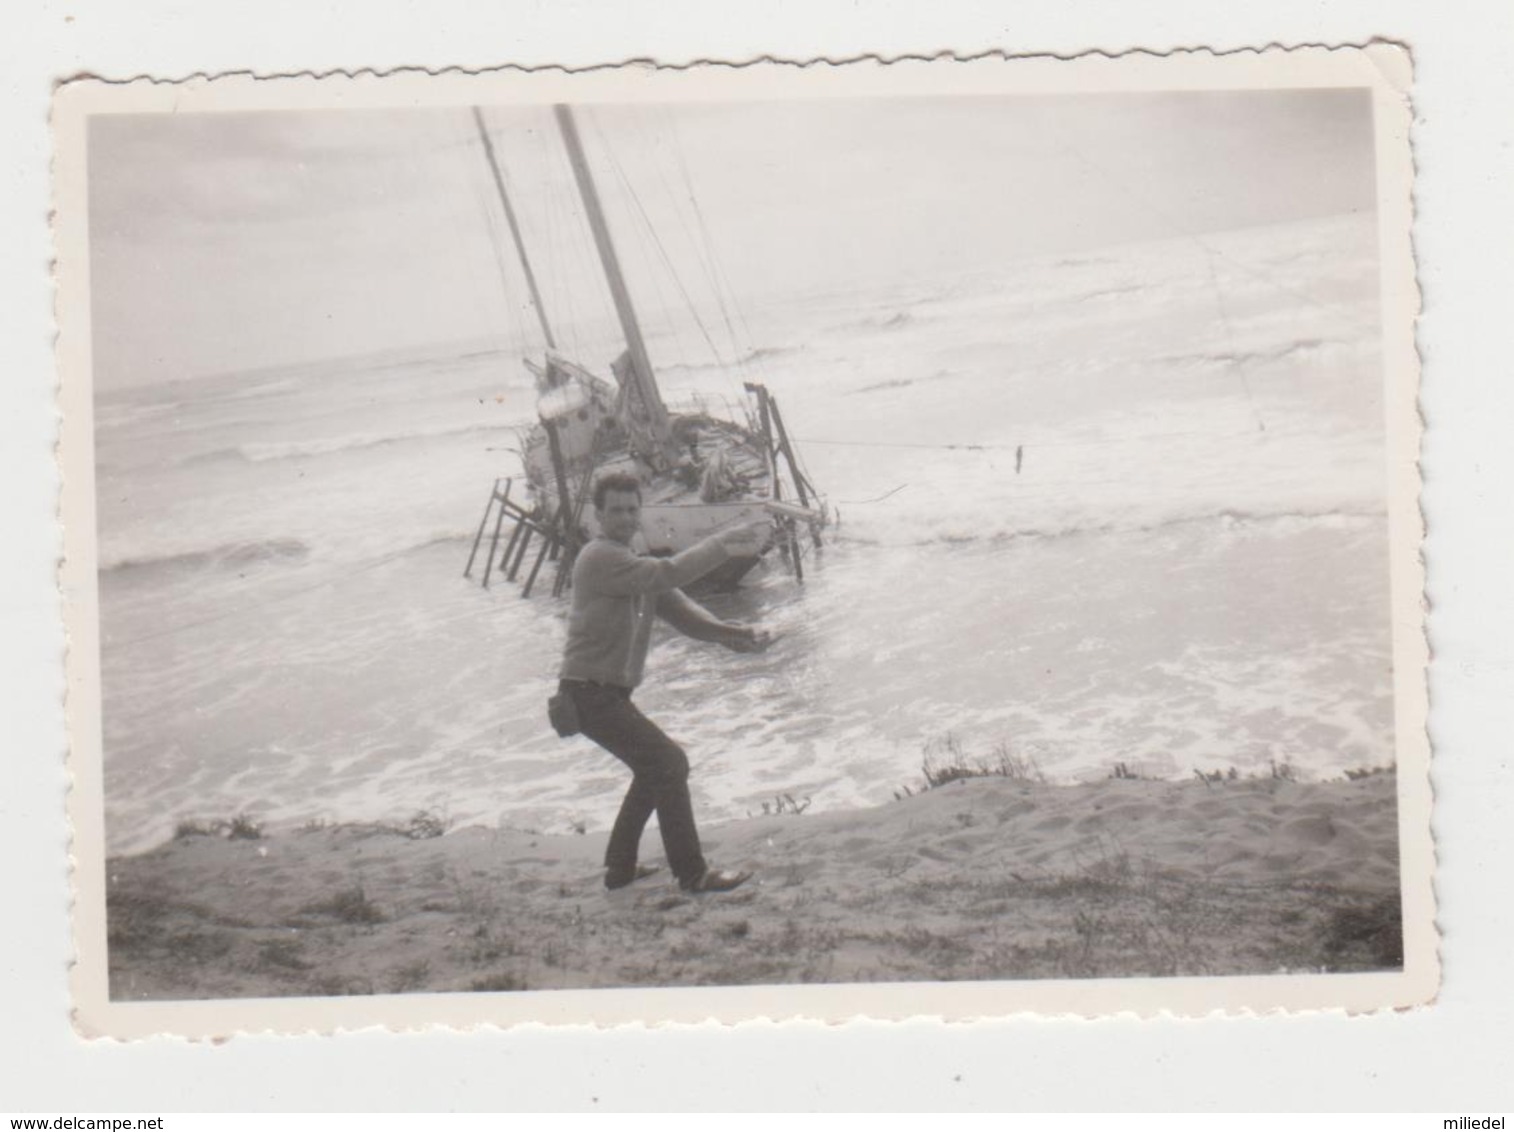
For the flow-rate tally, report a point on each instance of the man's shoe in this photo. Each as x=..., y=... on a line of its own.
x=715, y=880
x=621, y=880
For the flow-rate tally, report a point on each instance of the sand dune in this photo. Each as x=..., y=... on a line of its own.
x=988, y=878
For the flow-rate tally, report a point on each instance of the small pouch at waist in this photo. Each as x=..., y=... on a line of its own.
x=563, y=714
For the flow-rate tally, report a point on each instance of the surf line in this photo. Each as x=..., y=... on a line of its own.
x=300, y=591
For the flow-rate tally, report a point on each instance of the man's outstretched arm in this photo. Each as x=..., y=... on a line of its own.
x=694, y=620
x=610, y=568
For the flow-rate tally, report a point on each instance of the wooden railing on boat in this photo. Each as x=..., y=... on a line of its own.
x=527, y=525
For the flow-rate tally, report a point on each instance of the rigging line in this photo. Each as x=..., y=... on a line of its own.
x=567, y=245
x=1214, y=283
x=601, y=327
x=654, y=144
x=482, y=200
x=648, y=230
x=528, y=325
x=657, y=241
x=549, y=238
x=742, y=346
x=463, y=228
x=556, y=235
x=905, y=444
x=1180, y=230
x=565, y=249
x=667, y=324
x=705, y=256
x=879, y=499
x=639, y=233
x=635, y=250
x=723, y=286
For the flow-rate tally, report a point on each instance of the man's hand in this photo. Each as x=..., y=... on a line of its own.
x=747, y=539
x=749, y=638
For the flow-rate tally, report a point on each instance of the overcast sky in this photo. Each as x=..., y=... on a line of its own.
x=224, y=242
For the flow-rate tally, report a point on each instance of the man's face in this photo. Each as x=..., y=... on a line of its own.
x=620, y=517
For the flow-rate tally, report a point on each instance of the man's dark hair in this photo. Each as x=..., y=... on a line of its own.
x=615, y=481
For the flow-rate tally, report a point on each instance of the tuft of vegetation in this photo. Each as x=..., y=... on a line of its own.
x=243, y=828
x=425, y=824
x=785, y=804
x=1358, y=773
x=240, y=827
x=1283, y=771
x=946, y=761
x=350, y=906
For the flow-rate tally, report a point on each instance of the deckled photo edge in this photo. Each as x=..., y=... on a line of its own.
x=1382, y=67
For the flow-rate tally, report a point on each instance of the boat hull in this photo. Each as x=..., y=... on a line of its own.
x=668, y=528
x=672, y=527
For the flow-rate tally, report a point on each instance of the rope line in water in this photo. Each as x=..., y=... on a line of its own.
x=963, y=447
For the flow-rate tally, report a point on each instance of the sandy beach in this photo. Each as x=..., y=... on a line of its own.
x=985, y=878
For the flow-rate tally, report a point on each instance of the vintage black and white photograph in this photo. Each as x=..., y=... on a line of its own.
x=545, y=535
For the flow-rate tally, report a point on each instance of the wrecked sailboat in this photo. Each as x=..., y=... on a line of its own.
x=699, y=473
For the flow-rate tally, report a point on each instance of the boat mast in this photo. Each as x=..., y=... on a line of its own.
x=520, y=245
x=641, y=363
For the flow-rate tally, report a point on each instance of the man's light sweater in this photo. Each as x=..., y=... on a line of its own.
x=615, y=594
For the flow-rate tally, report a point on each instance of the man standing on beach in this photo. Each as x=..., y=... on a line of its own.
x=615, y=594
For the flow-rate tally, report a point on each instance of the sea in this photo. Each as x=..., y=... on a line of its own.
x=1124, y=508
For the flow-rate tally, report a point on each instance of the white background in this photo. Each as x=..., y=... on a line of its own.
x=1454, y=1057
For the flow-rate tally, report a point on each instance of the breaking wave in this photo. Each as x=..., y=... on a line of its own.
x=1277, y=522
x=751, y=357
x=1300, y=348
x=228, y=556
x=258, y=452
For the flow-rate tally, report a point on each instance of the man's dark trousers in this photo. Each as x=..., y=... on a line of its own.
x=659, y=781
